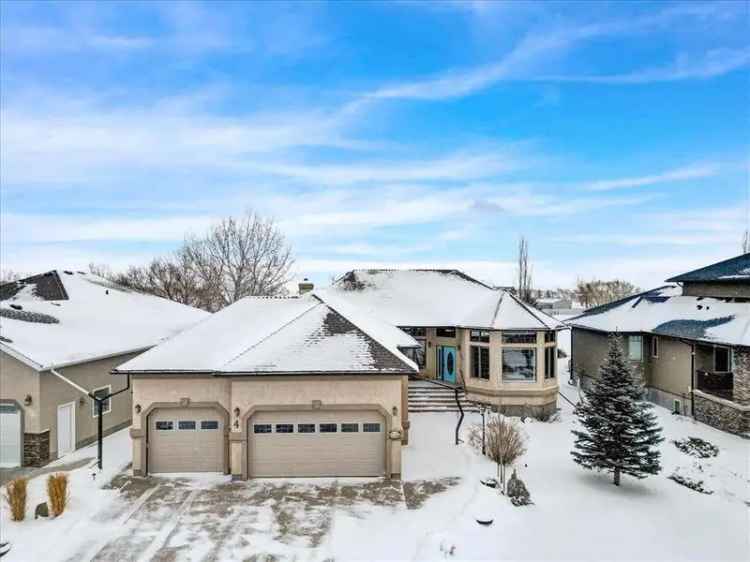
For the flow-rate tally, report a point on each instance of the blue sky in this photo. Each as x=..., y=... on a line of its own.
x=614, y=136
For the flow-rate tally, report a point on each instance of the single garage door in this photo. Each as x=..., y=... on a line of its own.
x=10, y=436
x=316, y=443
x=185, y=440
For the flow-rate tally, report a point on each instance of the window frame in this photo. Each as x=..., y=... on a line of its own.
x=258, y=425
x=448, y=332
x=285, y=425
x=180, y=422
x=729, y=358
x=632, y=337
x=523, y=350
x=550, y=336
x=507, y=338
x=307, y=426
x=105, y=411
x=655, y=344
x=172, y=428
x=479, y=336
x=349, y=425
x=369, y=427
x=481, y=351
x=209, y=428
x=328, y=424
x=550, y=362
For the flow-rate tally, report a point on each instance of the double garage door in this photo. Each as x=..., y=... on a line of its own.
x=316, y=443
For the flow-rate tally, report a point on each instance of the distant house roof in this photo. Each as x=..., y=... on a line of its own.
x=734, y=270
x=665, y=311
x=61, y=318
x=435, y=298
x=293, y=335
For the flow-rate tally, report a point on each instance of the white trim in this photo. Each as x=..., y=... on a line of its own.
x=109, y=400
x=65, y=379
x=39, y=367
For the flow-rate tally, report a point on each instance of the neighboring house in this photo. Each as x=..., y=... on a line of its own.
x=689, y=342
x=274, y=387
x=554, y=305
x=501, y=350
x=61, y=333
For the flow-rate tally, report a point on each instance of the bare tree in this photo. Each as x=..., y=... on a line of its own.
x=504, y=443
x=746, y=241
x=596, y=293
x=8, y=275
x=524, y=272
x=237, y=257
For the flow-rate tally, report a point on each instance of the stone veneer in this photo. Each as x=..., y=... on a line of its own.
x=722, y=414
x=36, y=448
x=741, y=372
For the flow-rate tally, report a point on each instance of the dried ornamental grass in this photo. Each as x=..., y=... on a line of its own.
x=15, y=495
x=57, y=490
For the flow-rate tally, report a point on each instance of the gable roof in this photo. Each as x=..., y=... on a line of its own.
x=434, y=298
x=266, y=335
x=665, y=311
x=733, y=270
x=63, y=318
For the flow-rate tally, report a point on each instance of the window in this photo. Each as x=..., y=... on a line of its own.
x=371, y=427
x=445, y=332
x=284, y=428
x=480, y=336
x=550, y=362
x=164, y=425
x=262, y=428
x=305, y=428
x=480, y=362
x=186, y=425
x=349, y=427
x=519, y=365
x=722, y=361
x=415, y=332
x=655, y=346
x=328, y=428
x=635, y=348
x=209, y=424
x=106, y=404
x=519, y=337
x=550, y=337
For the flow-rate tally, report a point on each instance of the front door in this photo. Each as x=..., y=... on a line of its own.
x=66, y=429
x=447, y=363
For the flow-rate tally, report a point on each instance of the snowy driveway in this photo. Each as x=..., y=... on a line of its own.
x=211, y=518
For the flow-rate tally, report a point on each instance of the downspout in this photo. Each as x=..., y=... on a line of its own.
x=99, y=400
x=692, y=380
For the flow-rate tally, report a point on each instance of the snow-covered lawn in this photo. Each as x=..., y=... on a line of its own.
x=576, y=515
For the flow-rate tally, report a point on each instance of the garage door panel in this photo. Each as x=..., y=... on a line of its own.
x=317, y=454
x=186, y=440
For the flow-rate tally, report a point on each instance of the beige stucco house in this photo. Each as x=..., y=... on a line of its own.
x=61, y=333
x=689, y=341
x=501, y=350
x=274, y=387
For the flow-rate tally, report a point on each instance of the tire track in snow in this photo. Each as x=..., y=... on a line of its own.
x=163, y=536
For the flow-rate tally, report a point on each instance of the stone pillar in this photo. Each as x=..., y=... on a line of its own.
x=741, y=375
x=36, y=448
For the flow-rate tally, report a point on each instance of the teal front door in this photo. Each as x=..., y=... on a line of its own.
x=447, y=363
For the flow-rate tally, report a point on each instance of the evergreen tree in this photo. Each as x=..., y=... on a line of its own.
x=620, y=430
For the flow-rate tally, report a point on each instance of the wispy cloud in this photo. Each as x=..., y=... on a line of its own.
x=669, y=176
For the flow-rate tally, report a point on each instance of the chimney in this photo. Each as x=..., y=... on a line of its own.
x=305, y=286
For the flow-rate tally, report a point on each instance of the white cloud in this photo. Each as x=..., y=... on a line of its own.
x=669, y=176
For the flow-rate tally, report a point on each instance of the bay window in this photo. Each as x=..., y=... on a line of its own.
x=480, y=362
x=519, y=365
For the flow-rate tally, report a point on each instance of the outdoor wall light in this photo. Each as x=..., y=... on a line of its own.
x=81, y=401
x=137, y=408
x=27, y=400
x=236, y=412
x=395, y=411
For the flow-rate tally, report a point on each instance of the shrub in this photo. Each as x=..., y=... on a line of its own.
x=504, y=443
x=57, y=490
x=15, y=495
x=697, y=447
x=693, y=484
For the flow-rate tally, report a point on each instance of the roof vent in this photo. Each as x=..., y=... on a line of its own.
x=16, y=306
x=67, y=272
x=305, y=286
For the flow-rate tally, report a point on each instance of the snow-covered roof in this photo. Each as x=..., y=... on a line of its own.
x=266, y=335
x=734, y=270
x=67, y=317
x=665, y=311
x=435, y=298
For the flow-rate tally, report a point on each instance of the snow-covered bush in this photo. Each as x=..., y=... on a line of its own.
x=517, y=491
x=696, y=447
x=691, y=483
